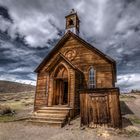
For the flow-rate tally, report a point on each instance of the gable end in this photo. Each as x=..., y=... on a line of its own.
x=86, y=44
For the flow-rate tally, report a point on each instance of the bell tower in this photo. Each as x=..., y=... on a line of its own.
x=72, y=22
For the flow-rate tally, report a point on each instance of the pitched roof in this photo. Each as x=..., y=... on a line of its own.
x=64, y=39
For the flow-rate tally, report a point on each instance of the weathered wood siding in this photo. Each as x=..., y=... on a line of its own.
x=78, y=84
x=84, y=58
x=100, y=107
x=41, y=92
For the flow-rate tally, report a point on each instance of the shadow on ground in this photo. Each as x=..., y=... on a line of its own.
x=125, y=110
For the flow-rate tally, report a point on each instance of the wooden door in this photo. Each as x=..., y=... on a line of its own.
x=58, y=92
x=61, y=92
x=100, y=109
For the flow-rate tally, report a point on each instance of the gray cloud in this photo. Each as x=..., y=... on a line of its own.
x=111, y=26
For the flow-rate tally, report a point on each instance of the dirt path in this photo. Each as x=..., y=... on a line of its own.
x=24, y=131
x=27, y=131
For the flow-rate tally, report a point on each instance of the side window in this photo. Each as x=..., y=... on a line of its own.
x=91, y=82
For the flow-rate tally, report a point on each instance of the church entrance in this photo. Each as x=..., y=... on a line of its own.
x=61, y=94
x=60, y=91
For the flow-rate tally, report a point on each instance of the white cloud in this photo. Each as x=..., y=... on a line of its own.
x=112, y=26
x=129, y=81
x=15, y=78
x=99, y=19
x=34, y=23
x=31, y=23
x=4, y=24
x=21, y=69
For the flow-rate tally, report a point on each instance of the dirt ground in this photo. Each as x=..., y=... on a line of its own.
x=22, y=130
x=27, y=131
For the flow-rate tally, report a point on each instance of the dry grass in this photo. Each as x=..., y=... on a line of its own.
x=6, y=113
x=134, y=119
x=7, y=118
x=19, y=104
x=4, y=110
x=127, y=97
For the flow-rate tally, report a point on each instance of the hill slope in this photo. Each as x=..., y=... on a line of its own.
x=14, y=87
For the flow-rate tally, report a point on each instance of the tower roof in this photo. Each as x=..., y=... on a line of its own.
x=72, y=12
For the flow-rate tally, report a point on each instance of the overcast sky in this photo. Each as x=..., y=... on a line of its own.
x=29, y=29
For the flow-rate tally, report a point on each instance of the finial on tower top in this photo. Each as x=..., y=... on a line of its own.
x=72, y=11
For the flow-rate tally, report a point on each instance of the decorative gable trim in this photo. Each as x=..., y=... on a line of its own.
x=60, y=57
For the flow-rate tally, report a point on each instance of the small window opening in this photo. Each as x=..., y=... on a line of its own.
x=71, y=22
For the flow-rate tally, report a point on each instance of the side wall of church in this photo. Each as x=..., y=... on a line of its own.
x=41, y=91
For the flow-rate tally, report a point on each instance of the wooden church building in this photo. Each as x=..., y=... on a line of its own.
x=76, y=78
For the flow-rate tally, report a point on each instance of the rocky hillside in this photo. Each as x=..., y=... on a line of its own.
x=14, y=87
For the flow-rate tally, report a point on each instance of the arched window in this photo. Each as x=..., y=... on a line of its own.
x=91, y=83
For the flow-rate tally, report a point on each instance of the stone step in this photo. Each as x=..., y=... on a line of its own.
x=50, y=115
x=54, y=116
x=55, y=108
x=52, y=111
x=50, y=123
x=48, y=118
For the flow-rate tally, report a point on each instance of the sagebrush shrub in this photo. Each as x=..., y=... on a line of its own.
x=4, y=109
